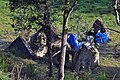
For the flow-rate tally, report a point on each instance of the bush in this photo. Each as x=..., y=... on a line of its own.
x=4, y=76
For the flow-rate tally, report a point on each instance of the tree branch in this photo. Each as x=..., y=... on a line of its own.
x=70, y=10
x=117, y=14
x=72, y=7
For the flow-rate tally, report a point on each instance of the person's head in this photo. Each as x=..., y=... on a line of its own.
x=102, y=30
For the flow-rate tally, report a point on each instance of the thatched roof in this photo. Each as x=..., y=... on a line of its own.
x=20, y=48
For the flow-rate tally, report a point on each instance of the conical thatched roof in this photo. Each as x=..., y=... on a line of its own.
x=20, y=48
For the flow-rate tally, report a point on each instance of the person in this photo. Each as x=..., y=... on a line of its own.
x=73, y=42
x=90, y=36
x=97, y=25
x=101, y=37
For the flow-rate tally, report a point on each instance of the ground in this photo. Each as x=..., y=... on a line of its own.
x=108, y=69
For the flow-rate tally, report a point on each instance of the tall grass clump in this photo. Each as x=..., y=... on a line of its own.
x=102, y=76
x=3, y=68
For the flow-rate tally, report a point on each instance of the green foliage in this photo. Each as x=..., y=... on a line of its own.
x=24, y=20
x=95, y=6
x=36, y=71
x=3, y=76
x=27, y=15
x=3, y=64
x=69, y=76
x=4, y=18
x=84, y=15
x=102, y=75
x=3, y=68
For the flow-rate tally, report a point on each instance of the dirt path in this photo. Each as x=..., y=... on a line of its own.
x=106, y=49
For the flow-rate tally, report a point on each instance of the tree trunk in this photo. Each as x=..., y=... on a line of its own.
x=50, y=55
x=63, y=45
x=117, y=10
x=48, y=35
x=67, y=12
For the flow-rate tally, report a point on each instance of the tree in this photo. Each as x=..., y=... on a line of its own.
x=27, y=15
x=117, y=10
x=48, y=35
x=67, y=12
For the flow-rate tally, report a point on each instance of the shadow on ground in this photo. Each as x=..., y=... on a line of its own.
x=111, y=72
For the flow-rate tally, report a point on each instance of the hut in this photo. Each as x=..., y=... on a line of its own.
x=20, y=48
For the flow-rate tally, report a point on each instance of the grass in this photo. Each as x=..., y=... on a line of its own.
x=4, y=18
x=4, y=75
x=107, y=59
x=109, y=66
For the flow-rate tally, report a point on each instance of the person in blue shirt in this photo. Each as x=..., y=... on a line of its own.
x=101, y=37
x=72, y=40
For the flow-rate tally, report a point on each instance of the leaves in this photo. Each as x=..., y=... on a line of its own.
x=26, y=15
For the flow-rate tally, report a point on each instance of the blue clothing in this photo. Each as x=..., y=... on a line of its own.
x=101, y=38
x=72, y=40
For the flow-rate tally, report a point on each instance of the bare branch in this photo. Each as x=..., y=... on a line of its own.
x=72, y=7
x=117, y=14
